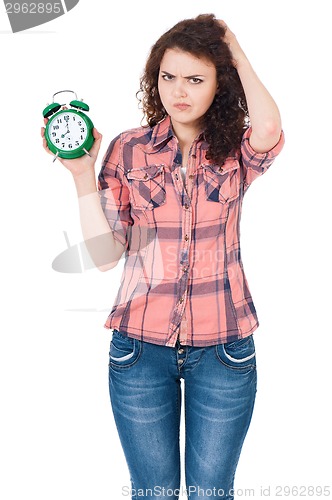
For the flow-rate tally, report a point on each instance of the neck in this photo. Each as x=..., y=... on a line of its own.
x=185, y=134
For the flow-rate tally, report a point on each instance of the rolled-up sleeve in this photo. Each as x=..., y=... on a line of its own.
x=255, y=164
x=114, y=194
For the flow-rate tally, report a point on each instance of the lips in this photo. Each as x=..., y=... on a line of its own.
x=181, y=106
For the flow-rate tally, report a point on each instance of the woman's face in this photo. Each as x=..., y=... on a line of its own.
x=187, y=86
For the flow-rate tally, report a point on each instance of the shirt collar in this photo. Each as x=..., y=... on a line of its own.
x=163, y=131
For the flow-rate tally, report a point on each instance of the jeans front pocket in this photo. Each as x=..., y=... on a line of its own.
x=124, y=351
x=147, y=186
x=239, y=354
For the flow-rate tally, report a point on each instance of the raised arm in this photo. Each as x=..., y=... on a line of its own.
x=263, y=112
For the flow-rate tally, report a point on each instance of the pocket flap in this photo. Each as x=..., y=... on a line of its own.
x=229, y=165
x=145, y=173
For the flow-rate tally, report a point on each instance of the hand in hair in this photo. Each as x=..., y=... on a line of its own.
x=232, y=42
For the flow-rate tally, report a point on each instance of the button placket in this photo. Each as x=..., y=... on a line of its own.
x=181, y=355
x=187, y=222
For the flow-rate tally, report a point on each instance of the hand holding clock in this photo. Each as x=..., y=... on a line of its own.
x=82, y=165
x=70, y=136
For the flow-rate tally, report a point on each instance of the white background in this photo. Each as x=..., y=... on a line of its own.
x=58, y=436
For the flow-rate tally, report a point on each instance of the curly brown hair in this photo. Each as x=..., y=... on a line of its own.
x=227, y=118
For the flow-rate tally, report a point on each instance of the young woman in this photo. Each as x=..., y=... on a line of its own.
x=169, y=196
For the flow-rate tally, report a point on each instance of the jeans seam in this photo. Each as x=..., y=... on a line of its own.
x=137, y=345
x=179, y=422
x=243, y=369
x=235, y=360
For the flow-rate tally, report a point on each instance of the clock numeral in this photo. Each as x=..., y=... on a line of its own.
x=59, y=120
x=55, y=127
x=63, y=144
x=70, y=146
x=66, y=118
x=57, y=141
x=53, y=134
x=82, y=129
x=74, y=119
x=77, y=143
x=79, y=122
x=82, y=137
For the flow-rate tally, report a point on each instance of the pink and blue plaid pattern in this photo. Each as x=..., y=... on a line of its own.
x=183, y=275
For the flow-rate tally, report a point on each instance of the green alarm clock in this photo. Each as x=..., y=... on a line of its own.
x=68, y=132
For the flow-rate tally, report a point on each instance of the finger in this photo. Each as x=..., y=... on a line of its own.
x=46, y=147
x=97, y=135
x=223, y=25
x=97, y=142
x=94, y=150
x=42, y=133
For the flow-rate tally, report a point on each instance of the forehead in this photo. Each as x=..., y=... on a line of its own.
x=183, y=62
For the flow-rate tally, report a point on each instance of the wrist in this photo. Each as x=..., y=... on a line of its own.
x=85, y=182
x=241, y=61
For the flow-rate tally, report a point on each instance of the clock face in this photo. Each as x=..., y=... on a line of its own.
x=67, y=130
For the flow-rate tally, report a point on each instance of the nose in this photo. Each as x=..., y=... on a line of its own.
x=179, y=89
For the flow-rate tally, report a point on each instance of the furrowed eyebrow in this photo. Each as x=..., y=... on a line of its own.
x=190, y=76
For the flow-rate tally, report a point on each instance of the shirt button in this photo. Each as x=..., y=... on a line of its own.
x=186, y=237
x=221, y=169
x=191, y=176
x=181, y=300
x=146, y=176
x=186, y=205
x=184, y=269
x=176, y=176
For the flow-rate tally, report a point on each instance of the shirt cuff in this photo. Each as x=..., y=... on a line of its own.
x=272, y=152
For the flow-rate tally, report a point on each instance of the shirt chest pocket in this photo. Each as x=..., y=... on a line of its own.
x=147, y=186
x=222, y=184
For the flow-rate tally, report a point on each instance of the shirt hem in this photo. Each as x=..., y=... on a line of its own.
x=197, y=343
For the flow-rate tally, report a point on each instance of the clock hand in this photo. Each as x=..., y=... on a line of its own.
x=68, y=131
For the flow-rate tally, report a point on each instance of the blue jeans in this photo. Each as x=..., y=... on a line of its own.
x=220, y=384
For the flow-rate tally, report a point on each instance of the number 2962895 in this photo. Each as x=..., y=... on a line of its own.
x=302, y=491
x=33, y=8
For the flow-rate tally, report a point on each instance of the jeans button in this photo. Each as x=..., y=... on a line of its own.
x=180, y=351
x=180, y=361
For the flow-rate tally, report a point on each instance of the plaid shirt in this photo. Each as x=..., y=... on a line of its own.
x=183, y=276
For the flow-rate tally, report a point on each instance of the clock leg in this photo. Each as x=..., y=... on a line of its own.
x=55, y=157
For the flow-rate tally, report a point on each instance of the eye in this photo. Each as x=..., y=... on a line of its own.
x=195, y=80
x=167, y=78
